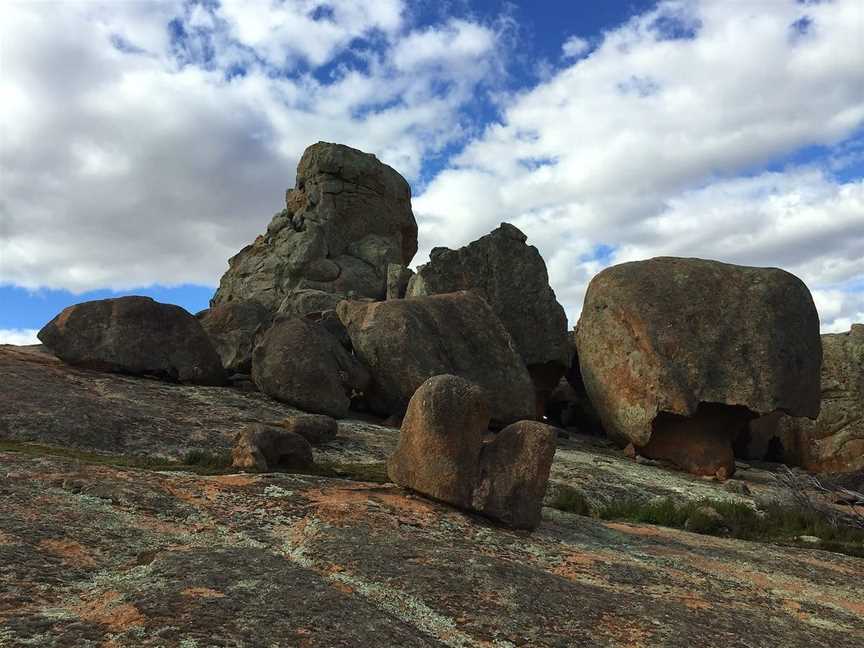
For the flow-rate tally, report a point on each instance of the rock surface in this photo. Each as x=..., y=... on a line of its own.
x=232, y=328
x=513, y=473
x=440, y=439
x=262, y=447
x=298, y=362
x=348, y=217
x=94, y=555
x=134, y=335
x=834, y=442
x=667, y=334
x=511, y=276
x=404, y=342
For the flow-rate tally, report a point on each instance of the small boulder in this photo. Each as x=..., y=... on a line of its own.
x=404, y=342
x=440, y=439
x=513, y=473
x=299, y=363
x=232, y=328
x=135, y=335
x=315, y=428
x=441, y=453
x=263, y=448
x=671, y=337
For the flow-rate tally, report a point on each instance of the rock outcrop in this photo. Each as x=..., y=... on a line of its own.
x=134, y=335
x=657, y=339
x=403, y=342
x=834, y=442
x=232, y=328
x=262, y=447
x=348, y=217
x=511, y=276
x=442, y=454
x=298, y=362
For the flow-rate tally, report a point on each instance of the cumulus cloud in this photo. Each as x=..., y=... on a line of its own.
x=146, y=143
x=19, y=337
x=649, y=145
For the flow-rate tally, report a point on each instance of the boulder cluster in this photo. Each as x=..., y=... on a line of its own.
x=687, y=361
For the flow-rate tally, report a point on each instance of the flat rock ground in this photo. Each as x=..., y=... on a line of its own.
x=96, y=555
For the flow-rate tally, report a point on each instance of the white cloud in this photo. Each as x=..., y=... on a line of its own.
x=19, y=337
x=649, y=145
x=131, y=158
x=574, y=47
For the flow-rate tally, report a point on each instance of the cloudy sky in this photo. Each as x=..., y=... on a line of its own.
x=143, y=143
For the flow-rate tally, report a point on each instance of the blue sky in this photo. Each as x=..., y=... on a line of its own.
x=144, y=143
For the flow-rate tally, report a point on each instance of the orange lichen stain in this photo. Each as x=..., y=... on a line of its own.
x=737, y=573
x=108, y=610
x=855, y=607
x=202, y=592
x=574, y=566
x=624, y=631
x=342, y=505
x=342, y=587
x=643, y=531
x=71, y=552
x=794, y=608
x=824, y=564
x=694, y=602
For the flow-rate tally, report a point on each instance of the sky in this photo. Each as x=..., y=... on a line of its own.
x=144, y=143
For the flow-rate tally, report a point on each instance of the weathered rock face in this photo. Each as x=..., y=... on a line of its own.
x=511, y=276
x=668, y=334
x=134, y=335
x=440, y=439
x=232, y=328
x=834, y=442
x=265, y=447
x=298, y=362
x=441, y=453
x=513, y=473
x=403, y=342
x=346, y=219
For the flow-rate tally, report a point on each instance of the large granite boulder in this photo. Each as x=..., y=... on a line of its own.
x=232, y=328
x=346, y=220
x=403, y=342
x=135, y=335
x=668, y=338
x=511, y=276
x=298, y=362
x=834, y=442
x=442, y=453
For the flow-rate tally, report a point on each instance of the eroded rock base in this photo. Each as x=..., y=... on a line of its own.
x=700, y=444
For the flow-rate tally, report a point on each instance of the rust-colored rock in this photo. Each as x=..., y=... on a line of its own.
x=265, y=447
x=834, y=442
x=403, y=342
x=513, y=473
x=661, y=337
x=135, y=335
x=440, y=439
